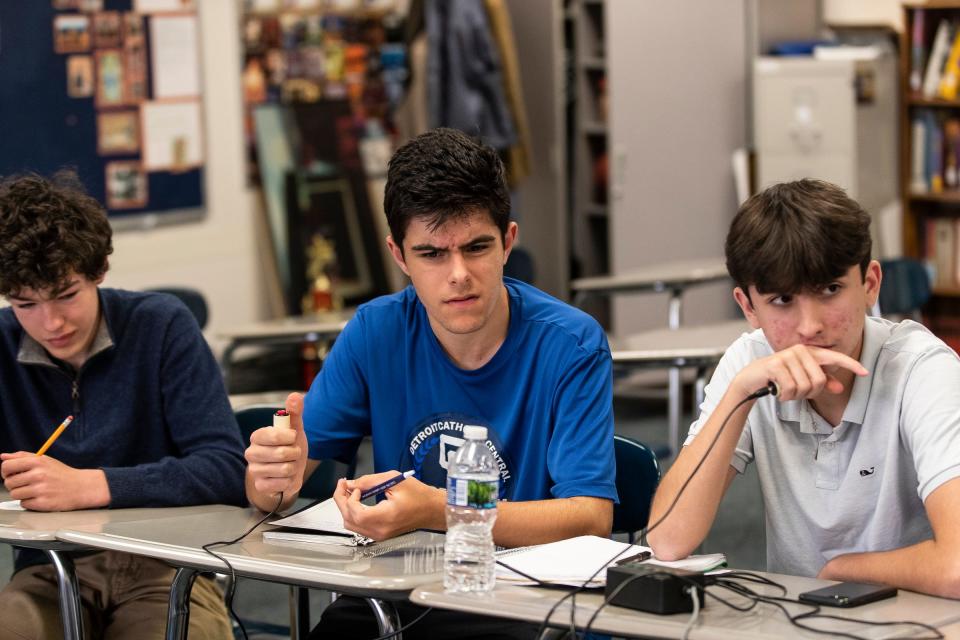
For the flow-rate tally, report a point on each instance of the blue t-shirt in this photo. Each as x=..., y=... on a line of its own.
x=545, y=397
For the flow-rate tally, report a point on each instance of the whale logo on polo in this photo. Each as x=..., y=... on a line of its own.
x=432, y=443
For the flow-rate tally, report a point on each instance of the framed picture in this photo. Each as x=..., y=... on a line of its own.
x=322, y=208
x=110, y=87
x=132, y=27
x=65, y=5
x=71, y=33
x=118, y=132
x=135, y=70
x=126, y=185
x=90, y=6
x=79, y=76
x=106, y=29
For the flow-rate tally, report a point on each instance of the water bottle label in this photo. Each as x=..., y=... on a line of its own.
x=477, y=494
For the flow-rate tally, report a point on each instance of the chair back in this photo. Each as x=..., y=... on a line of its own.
x=322, y=482
x=520, y=266
x=638, y=474
x=192, y=298
x=905, y=287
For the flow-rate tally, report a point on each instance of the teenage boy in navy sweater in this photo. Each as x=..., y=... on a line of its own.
x=151, y=427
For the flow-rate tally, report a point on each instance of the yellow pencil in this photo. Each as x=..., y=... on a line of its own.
x=53, y=436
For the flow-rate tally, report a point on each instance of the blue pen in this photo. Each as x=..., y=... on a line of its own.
x=383, y=486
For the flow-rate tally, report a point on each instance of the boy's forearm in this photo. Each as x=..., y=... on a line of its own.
x=541, y=521
x=926, y=567
x=690, y=520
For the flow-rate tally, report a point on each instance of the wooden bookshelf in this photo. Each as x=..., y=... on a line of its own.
x=943, y=312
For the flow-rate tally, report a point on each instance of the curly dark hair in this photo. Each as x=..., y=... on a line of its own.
x=442, y=175
x=48, y=229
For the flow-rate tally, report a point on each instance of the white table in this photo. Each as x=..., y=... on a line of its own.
x=37, y=530
x=716, y=621
x=700, y=347
x=272, y=398
x=674, y=276
x=319, y=328
x=379, y=573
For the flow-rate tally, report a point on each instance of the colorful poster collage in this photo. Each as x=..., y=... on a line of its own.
x=147, y=119
x=308, y=51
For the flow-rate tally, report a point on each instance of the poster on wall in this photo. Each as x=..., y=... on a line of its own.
x=85, y=98
x=172, y=135
x=175, y=61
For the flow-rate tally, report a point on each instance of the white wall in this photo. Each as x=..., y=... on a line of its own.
x=217, y=255
x=540, y=199
x=677, y=111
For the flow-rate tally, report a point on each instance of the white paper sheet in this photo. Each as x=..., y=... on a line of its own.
x=324, y=516
x=174, y=56
x=172, y=135
x=11, y=505
x=573, y=561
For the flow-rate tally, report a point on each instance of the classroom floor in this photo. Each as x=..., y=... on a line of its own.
x=738, y=531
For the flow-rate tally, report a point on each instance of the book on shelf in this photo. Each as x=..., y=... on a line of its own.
x=934, y=163
x=916, y=51
x=941, y=251
x=918, y=158
x=950, y=77
x=934, y=152
x=938, y=57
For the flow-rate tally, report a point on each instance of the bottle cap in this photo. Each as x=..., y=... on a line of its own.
x=471, y=432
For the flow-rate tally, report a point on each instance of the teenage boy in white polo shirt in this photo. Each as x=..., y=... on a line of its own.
x=859, y=454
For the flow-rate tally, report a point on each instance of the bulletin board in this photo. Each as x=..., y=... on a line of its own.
x=112, y=90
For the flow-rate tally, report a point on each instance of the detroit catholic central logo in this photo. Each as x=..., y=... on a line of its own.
x=432, y=443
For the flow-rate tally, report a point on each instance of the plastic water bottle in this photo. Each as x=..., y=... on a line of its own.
x=473, y=486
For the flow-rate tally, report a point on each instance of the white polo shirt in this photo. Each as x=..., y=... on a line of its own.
x=860, y=486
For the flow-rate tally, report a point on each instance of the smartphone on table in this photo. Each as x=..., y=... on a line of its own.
x=848, y=594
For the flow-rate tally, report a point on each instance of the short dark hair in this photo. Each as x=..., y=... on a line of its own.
x=441, y=175
x=797, y=236
x=48, y=229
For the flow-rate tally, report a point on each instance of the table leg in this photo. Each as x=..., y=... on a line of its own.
x=226, y=359
x=675, y=308
x=386, y=614
x=299, y=613
x=69, y=591
x=699, y=390
x=674, y=393
x=674, y=390
x=178, y=611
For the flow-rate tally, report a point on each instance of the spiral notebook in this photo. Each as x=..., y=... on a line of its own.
x=318, y=523
x=583, y=560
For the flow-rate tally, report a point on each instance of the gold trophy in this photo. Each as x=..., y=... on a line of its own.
x=321, y=294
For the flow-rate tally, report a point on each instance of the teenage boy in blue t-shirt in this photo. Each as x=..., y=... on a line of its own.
x=463, y=345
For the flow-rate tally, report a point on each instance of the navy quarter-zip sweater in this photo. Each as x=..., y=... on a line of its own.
x=149, y=406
